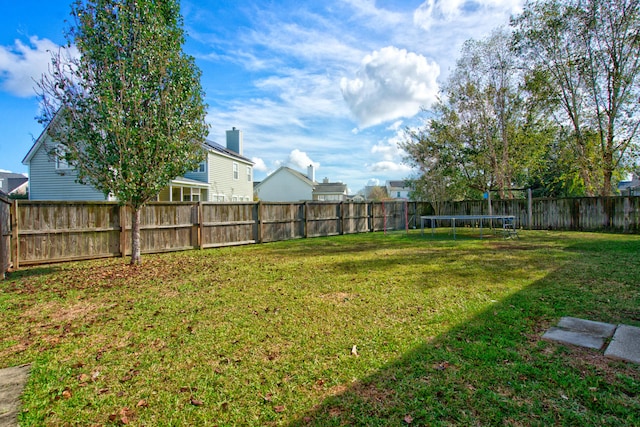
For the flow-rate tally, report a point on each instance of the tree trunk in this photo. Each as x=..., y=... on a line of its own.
x=135, y=236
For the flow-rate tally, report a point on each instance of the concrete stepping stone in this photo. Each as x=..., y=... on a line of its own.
x=625, y=344
x=580, y=332
x=597, y=329
x=574, y=338
x=12, y=381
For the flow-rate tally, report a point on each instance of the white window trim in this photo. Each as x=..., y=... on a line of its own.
x=61, y=164
x=202, y=167
x=236, y=171
x=249, y=173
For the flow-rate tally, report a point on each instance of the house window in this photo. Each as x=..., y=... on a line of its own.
x=398, y=194
x=249, y=173
x=191, y=195
x=61, y=163
x=202, y=167
x=236, y=171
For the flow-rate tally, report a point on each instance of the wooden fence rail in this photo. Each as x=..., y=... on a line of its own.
x=34, y=232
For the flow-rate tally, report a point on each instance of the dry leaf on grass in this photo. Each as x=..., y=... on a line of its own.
x=196, y=402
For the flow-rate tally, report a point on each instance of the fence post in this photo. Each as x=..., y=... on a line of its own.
x=530, y=208
x=342, y=217
x=259, y=222
x=123, y=231
x=627, y=212
x=200, y=224
x=305, y=219
x=372, y=217
x=15, y=241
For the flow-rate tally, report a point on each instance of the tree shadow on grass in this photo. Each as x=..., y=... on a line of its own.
x=495, y=370
x=31, y=272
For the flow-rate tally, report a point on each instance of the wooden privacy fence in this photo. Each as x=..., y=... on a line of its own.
x=43, y=232
x=47, y=232
x=614, y=214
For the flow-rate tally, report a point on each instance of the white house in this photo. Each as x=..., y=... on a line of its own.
x=225, y=175
x=398, y=189
x=288, y=185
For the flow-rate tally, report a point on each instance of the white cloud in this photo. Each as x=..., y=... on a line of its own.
x=375, y=16
x=390, y=84
x=388, y=166
x=300, y=160
x=432, y=13
x=21, y=65
x=395, y=125
x=373, y=182
x=259, y=164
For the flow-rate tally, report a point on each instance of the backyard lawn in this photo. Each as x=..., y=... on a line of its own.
x=369, y=329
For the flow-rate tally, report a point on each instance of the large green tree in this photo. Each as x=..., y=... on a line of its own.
x=587, y=52
x=476, y=140
x=128, y=113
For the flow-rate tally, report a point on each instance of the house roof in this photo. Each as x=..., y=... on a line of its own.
x=209, y=145
x=214, y=146
x=11, y=181
x=331, y=187
x=11, y=175
x=190, y=182
x=399, y=184
x=293, y=172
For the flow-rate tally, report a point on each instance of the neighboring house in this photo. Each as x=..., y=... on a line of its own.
x=357, y=198
x=330, y=191
x=225, y=175
x=630, y=188
x=13, y=183
x=288, y=185
x=398, y=189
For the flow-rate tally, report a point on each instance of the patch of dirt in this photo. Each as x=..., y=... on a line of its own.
x=339, y=297
x=585, y=359
x=372, y=394
x=61, y=314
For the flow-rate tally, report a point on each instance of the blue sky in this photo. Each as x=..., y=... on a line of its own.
x=329, y=83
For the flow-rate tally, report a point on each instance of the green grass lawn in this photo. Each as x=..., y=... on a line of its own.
x=370, y=329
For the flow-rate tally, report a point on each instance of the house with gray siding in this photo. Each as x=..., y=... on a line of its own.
x=330, y=191
x=224, y=176
x=13, y=183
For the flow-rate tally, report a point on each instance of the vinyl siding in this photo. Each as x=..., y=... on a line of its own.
x=47, y=183
x=283, y=186
x=222, y=182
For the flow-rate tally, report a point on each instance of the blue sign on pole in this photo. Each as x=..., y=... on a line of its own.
x=485, y=195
